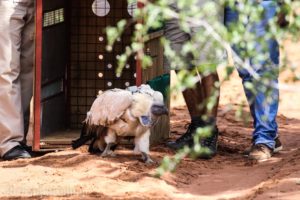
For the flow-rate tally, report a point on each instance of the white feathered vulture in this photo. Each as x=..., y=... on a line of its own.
x=117, y=113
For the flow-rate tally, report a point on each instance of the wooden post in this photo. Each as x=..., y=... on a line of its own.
x=37, y=76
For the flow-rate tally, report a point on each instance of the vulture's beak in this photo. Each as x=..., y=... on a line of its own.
x=159, y=109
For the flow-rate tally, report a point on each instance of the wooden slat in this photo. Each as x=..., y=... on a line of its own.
x=153, y=48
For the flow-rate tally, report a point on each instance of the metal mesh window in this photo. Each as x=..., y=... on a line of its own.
x=53, y=17
x=101, y=7
x=92, y=68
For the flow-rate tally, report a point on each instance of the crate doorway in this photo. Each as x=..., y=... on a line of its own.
x=73, y=65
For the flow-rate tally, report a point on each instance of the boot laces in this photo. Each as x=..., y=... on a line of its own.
x=188, y=134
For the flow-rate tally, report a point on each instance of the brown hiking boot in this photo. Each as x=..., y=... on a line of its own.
x=260, y=152
x=278, y=147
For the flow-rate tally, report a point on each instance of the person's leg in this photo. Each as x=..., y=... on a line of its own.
x=27, y=65
x=212, y=92
x=11, y=114
x=264, y=100
x=203, y=100
x=203, y=112
x=196, y=97
x=192, y=96
x=265, y=103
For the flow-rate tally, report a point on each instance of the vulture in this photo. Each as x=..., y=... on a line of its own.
x=119, y=113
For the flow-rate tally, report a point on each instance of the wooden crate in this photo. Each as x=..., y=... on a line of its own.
x=161, y=130
x=69, y=70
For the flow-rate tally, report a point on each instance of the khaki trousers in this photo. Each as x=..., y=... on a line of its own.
x=16, y=70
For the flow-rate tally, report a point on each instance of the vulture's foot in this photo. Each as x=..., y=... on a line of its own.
x=149, y=161
x=107, y=151
x=146, y=158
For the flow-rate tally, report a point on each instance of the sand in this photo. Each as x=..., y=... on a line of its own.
x=75, y=174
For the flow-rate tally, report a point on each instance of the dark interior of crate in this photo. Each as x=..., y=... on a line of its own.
x=75, y=62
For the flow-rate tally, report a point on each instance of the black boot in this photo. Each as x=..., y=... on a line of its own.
x=185, y=139
x=16, y=153
x=210, y=143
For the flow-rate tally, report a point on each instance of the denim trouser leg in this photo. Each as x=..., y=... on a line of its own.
x=264, y=101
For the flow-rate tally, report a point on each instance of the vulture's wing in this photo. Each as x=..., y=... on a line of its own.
x=109, y=107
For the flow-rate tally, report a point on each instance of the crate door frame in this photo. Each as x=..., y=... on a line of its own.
x=38, y=75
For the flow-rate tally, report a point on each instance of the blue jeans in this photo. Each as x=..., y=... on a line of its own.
x=263, y=105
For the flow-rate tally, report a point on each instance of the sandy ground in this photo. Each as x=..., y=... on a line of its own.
x=74, y=174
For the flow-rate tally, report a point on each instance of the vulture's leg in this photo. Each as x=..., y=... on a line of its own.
x=142, y=145
x=110, y=140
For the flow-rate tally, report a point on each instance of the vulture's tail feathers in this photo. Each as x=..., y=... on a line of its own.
x=100, y=133
x=85, y=136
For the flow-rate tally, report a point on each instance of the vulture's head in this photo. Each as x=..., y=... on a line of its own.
x=148, y=105
x=158, y=107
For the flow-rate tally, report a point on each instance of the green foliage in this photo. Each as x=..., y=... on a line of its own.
x=169, y=164
x=211, y=32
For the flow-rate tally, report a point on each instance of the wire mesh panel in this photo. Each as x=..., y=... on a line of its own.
x=92, y=68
